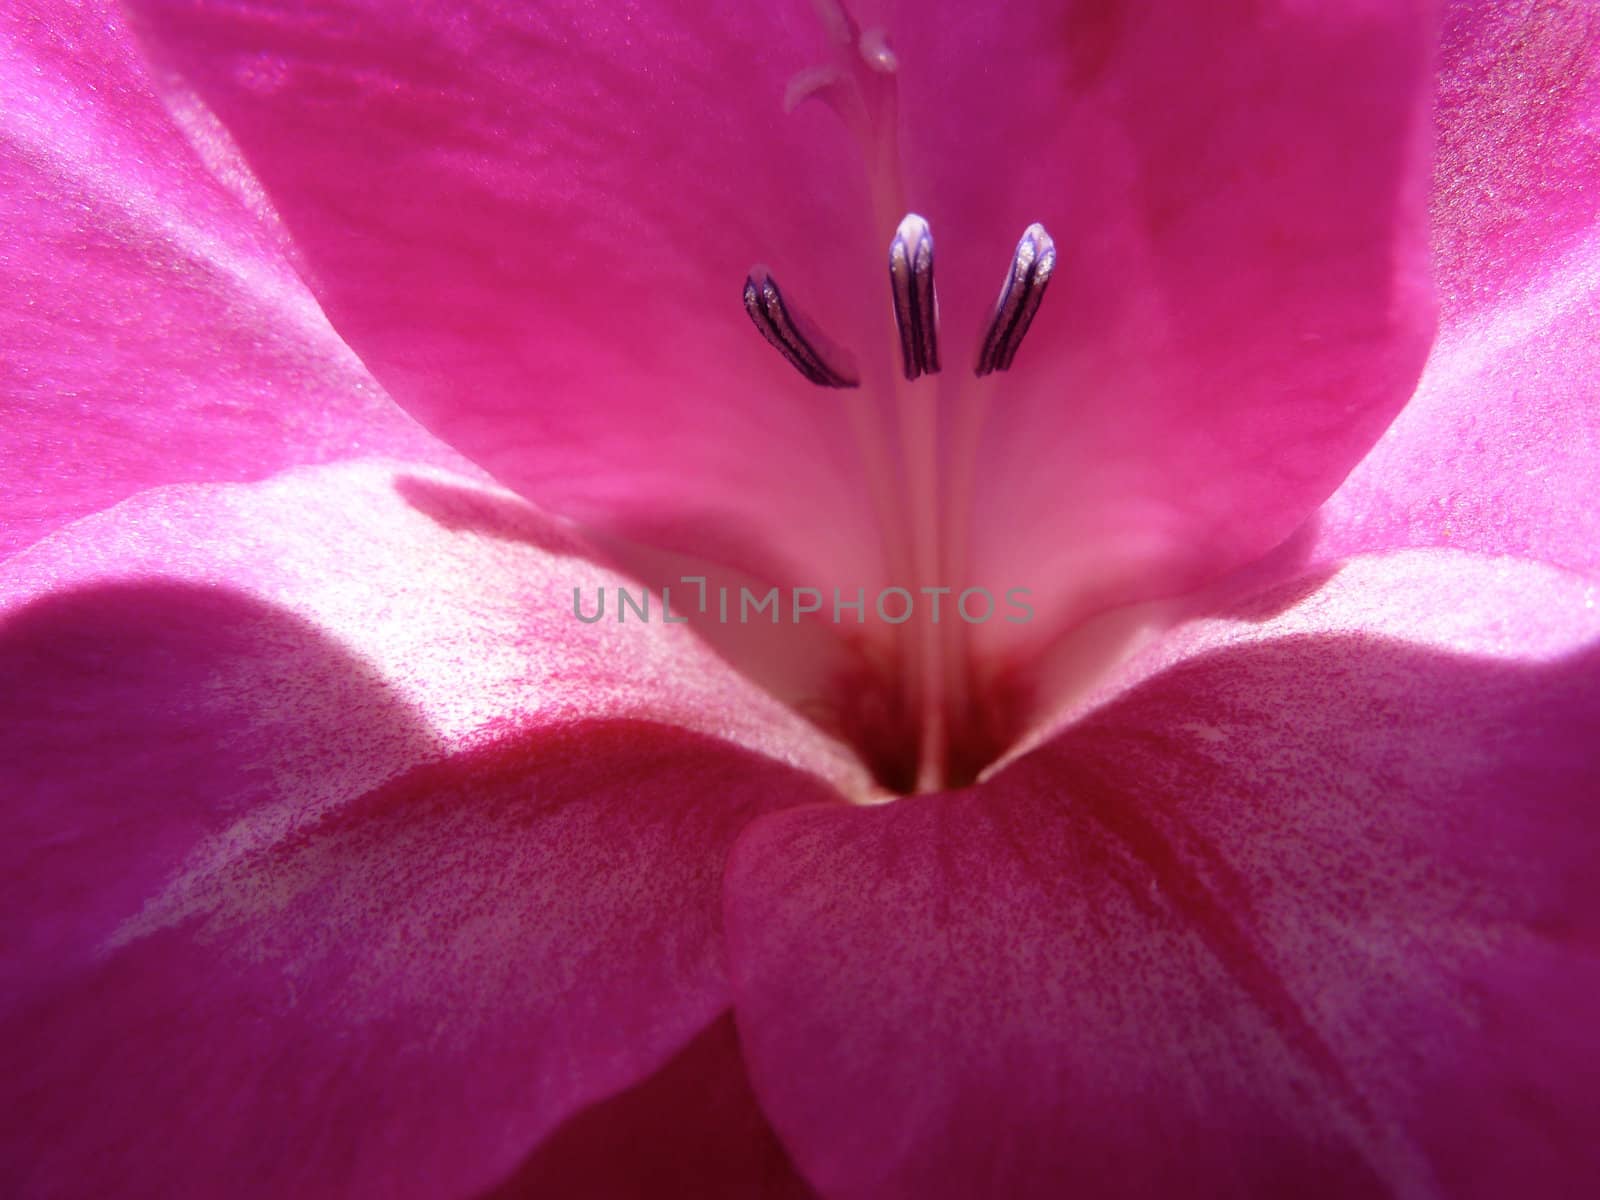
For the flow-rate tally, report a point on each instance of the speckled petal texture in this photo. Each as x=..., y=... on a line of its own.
x=1499, y=451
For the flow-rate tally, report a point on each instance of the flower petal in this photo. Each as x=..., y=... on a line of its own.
x=1499, y=451
x=1309, y=910
x=491, y=196
x=1519, y=148
x=533, y=223
x=1500, y=448
x=1240, y=301
x=154, y=331
x=693, y=1129
x=460, y=595
x=339, y=858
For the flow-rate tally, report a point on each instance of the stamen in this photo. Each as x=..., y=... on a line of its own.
x=1031, y=268
x=916, y=306
x=807, y=350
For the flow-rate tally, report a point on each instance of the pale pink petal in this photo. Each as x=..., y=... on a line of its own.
x=1518, y=147
x=340, y=859
x=1499, y=451
x=1310, y=910
x=153, y=331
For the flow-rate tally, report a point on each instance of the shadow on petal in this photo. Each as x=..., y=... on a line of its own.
x=1316, y=915
x=266, y=935
x=691, y=1129
x=487, y=512
x=139, y=718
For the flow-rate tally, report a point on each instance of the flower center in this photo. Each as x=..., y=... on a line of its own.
x=931, y=723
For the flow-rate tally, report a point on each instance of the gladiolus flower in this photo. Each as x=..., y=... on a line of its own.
x=346, y=347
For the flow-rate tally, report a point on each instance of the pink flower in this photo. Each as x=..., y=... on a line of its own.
x=341, y=859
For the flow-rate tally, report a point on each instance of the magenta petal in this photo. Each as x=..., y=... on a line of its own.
x=339, y=858
x=533, y=225
x=1240, y=303
x=533, y=222
x=692, y=1129
x=399, y=1000
x=1309, y=911
x=153, y=331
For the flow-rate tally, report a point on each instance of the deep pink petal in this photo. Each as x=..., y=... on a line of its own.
x=1308, y=911
x=339, y=858
x=692, y=1129
x=1240, y=304
x=534, y=223
x=153, y=330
